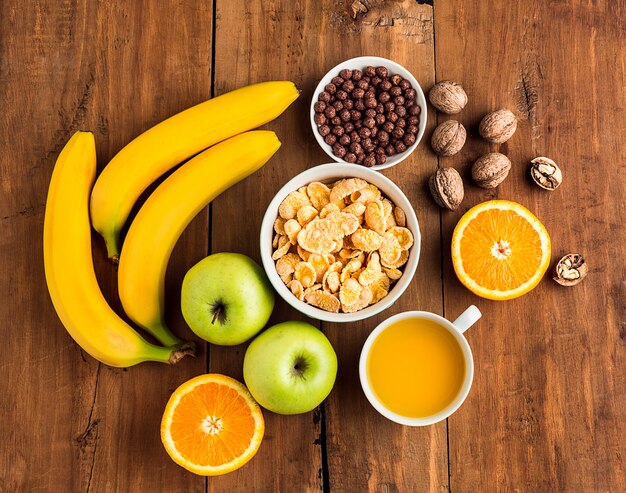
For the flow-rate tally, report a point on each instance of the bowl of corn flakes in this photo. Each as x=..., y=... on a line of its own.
x=340, y=242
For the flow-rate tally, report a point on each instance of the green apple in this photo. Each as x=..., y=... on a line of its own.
x=290, y=368
x=226, y=298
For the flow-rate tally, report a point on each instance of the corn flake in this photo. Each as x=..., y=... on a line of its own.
x=287, y=264
x=365, y=297
x=328, y=209
x=400, y=217
x=368, y=276
x=387, y=207
x=378, y=293
x=351, y=267
x=383, y=281
x=345, y=188
x=314, y=237
x=320, y=264
x=297, y=289
x=331, y=281
x=306, y=214
x=404, y=256
x=294, y=201
x=403, y=235
x=279, y=226
x=366, y=240
x=305, y=273
x=319, y=194
x=304, y=255
x=357, y=209
x=389, y=250
x=283, y=248
x=310, y=289
x=365, y=195
x=292, y=228
x=375, y=217
x=323, y=300
x=393, y=274
x=349, y=292
x=349, y=254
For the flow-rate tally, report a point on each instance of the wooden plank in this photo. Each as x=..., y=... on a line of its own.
x=546, y=412
x=258, y=41
x=73, y=424
x=366, y=452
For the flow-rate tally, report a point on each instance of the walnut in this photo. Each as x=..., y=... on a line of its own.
x=491, y=169
x=448, y=138
x=446, y=187
x=498, y=127
x=545, y=173
x=448, y=97
x=570, y=270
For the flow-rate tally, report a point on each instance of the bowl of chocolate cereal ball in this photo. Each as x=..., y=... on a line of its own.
x=369, y=111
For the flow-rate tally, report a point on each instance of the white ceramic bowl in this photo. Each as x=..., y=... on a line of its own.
x=394, y=68
x=330, y=173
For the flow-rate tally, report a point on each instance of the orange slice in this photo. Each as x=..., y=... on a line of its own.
x=212, y=425
x=500, y=250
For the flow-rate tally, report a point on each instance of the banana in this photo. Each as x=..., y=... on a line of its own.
x=69, y=266
x=173, y=141
x=167, y=212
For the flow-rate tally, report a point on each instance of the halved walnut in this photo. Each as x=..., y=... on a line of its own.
x=570, y=270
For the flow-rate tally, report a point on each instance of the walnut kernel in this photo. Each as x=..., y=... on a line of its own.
x=545, y=173
x=570, y=270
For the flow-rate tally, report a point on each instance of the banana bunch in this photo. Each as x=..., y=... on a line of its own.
x=69, y=268
x=68, y=261
x=174, y=140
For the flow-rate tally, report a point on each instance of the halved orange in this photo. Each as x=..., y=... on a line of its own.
x=500, y=250
x=212, y=425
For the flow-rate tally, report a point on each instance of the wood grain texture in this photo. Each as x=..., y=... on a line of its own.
x=546, y=412
x=75, y=425
x=272, y=43
x=366, y=452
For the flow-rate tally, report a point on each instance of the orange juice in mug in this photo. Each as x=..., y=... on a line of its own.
x=416, y=368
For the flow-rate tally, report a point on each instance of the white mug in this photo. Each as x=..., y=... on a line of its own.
x=456, y=328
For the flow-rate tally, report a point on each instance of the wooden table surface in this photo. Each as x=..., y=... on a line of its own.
x=547, y=410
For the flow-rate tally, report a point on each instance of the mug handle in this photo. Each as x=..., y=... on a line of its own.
x=468, y=318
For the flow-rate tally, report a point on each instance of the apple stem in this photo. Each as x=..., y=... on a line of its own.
x=217, y=314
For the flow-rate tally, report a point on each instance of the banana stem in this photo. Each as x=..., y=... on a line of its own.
x=187, y=349
x=113, y=251
x=164, y=336
x=170, y=355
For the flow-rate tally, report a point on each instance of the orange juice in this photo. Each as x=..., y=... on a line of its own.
x=416, y=367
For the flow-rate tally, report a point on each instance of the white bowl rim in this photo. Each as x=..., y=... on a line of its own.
x=339, y=170
x=394, y=67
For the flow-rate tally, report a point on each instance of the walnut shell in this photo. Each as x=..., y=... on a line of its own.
x=570, y=270
x=448, y=97
x=446, y=187
x=491, y=169
x=448, y=138
x=545, y=173
x=498, y=127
